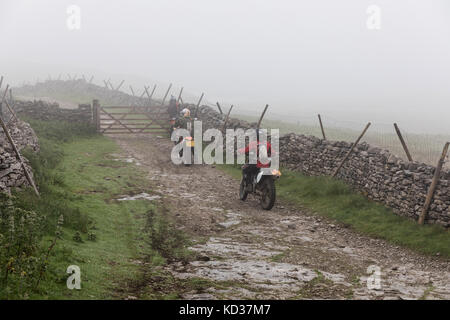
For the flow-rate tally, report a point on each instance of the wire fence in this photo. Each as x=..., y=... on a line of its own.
x=426, y=148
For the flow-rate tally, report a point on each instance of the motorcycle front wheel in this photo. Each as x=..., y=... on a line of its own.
x=268, y=193
x=242, y=190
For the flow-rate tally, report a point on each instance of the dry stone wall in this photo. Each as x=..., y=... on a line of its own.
x=51, y=111
x=11, y=171
x=375, y=172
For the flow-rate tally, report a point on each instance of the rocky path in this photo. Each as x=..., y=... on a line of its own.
x=280, y=254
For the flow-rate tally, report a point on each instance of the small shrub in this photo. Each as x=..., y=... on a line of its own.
x=77, y=237
x=164, y=238
x=92, y=236
x=20, y=257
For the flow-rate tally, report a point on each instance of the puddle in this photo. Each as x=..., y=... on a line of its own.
x=143, y=195
x=225, y=246
x=261, y=273
x=270, y=279
x=229, y=223
x=187, y=195
x=129, y=160
x=233, y=219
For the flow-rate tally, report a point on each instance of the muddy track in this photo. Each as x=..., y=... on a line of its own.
x=279, y=254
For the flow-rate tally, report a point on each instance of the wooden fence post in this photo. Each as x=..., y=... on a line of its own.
x=218, y=106
x=96, y=114
x=5, y=100
x=179, y=95
x=198, y=105
x=151, y=94
x=179, y=99
x=4, y=93
x=167, y=93
x=433, y=185
x=145, y=91
x=226, y=119
x=351, y=150
x=262, y=116
x=19, y=157
x=321, y=127
x=405, y=147
x=118, y=87
x=13, y=114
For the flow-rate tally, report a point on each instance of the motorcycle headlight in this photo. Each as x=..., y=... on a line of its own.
x=276, y=172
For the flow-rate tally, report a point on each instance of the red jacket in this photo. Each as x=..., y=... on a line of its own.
x=253, y=146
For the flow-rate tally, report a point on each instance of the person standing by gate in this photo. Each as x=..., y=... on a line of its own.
x=172, y=109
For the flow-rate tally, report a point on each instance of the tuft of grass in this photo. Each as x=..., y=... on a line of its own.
x=314, y=286
x=164, y=239
x=279, y=257
x=336, y=200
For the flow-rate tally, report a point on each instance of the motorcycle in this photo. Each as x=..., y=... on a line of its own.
x=262, y=184
x=187, y=142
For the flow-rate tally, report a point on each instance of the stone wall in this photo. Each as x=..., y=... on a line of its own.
x=51, y=111
x=11, y=171
x=376, y=173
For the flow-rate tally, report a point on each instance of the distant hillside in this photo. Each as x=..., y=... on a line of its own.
x=76, y=92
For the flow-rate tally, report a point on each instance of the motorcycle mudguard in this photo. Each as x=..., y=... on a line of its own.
x=259, y=176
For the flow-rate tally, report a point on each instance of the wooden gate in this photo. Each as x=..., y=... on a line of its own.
x=131, y=119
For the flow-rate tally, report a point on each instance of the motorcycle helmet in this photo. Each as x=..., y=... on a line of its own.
x=186, y=112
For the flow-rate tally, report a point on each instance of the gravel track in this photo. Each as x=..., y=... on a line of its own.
x=285, y=253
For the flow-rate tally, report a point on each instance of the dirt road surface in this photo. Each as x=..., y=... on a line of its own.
x=284, y=253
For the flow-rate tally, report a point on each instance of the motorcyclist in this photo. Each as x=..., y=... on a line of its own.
x=250, y=169
x=184, y=118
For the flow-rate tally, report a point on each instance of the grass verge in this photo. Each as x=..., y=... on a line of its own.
x=81, y=176
x=336, y=200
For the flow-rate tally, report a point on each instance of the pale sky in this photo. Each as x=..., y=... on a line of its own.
x=301, y=57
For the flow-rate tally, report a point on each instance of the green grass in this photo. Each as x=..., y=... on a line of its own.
x=79, y=178
x=117, y=225
x=336, y=200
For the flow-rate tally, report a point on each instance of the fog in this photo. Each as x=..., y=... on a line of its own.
x=300, y=57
